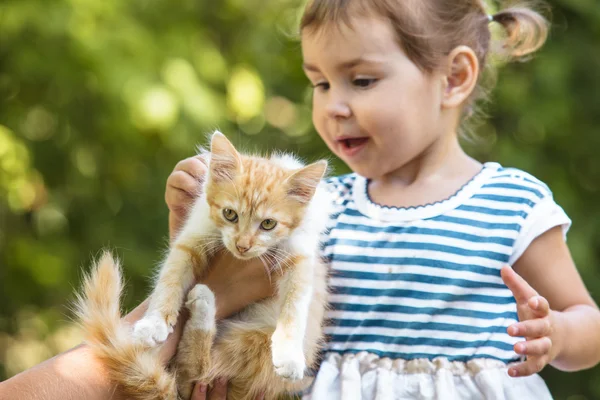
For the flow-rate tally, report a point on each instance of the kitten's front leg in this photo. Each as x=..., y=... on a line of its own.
x=287, y=342
x=175, y=278
x=193, y=357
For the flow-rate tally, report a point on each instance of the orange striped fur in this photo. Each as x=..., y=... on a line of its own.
x=267, y=347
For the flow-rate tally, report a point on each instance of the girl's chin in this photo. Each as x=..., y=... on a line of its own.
x=363, y=170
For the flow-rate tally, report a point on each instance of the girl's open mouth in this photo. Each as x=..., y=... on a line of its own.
x=351, y=146
x=353, y=142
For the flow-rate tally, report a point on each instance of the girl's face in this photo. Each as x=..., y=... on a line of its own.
x=372, y=105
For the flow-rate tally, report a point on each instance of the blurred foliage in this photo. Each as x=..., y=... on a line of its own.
x=100, y=99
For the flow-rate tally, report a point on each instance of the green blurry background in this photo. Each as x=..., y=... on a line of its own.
x=100, y=98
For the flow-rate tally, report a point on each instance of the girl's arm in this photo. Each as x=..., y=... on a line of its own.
x=557, y=314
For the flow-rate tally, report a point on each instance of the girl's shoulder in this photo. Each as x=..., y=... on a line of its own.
x=516, y=179
x=528, y=197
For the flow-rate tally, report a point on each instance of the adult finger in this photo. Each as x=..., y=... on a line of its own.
x=219, y=390
x=203, y=158
x=533, y=328
x=193, y=166
x=178, y=201
x=183, y=181
x=517, y=285
x=199, y=392
x=535, y=347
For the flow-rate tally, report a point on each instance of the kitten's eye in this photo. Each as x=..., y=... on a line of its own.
x=230, y=215
x=268, y=224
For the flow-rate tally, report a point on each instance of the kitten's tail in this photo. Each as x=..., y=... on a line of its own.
x=134, y=367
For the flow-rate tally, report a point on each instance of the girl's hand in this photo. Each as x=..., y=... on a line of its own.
x=536, y=324
x=184, y=185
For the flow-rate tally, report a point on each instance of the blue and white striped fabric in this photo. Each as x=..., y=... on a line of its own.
x=424, y=282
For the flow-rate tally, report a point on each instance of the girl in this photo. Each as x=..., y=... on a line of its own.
x=451, y=279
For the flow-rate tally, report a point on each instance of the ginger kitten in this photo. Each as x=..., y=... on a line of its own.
x=271, y=208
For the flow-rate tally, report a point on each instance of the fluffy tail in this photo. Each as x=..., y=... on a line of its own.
x=136, y=369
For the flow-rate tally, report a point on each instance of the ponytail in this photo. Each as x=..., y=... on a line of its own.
x=526, y=31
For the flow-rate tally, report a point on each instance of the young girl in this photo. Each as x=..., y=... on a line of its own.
x=451, y=279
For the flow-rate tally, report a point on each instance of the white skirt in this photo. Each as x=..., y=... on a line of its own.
x=365, y=376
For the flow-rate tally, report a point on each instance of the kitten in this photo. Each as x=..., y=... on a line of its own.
x=255, y=207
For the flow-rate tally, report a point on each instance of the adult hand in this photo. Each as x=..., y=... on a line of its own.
x=184, y=185
x=217, y=392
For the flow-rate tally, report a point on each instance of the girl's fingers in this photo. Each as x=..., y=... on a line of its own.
x=519, y=287
x=533, y=328
x=533, y=365
x=535, y=347
x=539, y=305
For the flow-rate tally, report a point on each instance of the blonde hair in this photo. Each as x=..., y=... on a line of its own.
x=428, y=30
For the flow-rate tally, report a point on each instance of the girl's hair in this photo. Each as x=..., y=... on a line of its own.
x=428, y=30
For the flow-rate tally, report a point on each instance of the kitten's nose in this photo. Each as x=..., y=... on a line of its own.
x=242, y=249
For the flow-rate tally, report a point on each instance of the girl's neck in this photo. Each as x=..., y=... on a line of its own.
x=435, y=175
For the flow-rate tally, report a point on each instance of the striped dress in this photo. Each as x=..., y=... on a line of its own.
x=417, y=291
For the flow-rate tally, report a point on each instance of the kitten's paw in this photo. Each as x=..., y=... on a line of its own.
x=151, y=330
x=201, y=303
x=200, y=298
x=288, y=358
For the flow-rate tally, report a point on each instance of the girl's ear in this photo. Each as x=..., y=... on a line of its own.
x=462, y=72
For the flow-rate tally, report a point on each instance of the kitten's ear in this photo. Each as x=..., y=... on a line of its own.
x=225, y=161
x=303, y=183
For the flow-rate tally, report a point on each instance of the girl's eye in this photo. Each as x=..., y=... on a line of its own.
x=268, y=224
x=364, y=82
x=322, y=86
x=230, y=215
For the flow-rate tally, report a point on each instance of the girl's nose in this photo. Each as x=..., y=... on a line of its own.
x=337, y=108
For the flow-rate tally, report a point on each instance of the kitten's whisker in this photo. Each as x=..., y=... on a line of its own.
x=280, y=260
x=215, y=247
x=207, y=246
x=281, y=251
x=210, y=247
x=273, y=262
x=283, y=255
x=266, y=268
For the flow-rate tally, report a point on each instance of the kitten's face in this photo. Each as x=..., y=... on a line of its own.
x=255, y=202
